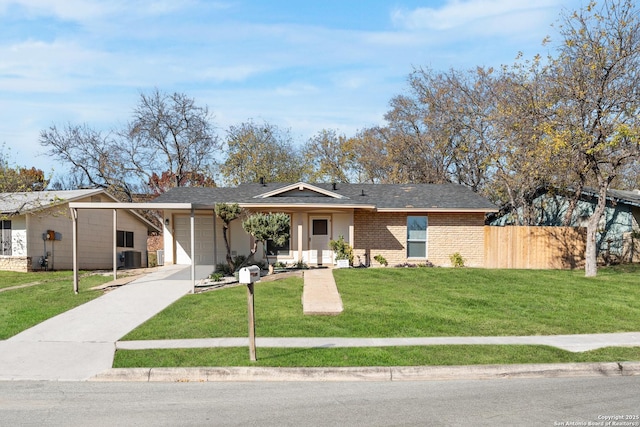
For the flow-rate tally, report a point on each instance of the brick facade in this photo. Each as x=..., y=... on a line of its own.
x=449, y=233
x=20, y=264
x=386, y=234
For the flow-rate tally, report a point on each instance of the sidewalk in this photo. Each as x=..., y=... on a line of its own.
x=573, y=343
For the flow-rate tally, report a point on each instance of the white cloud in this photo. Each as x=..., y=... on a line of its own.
x=496, y=15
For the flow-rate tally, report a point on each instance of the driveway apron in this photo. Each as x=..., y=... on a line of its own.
x=80, y=343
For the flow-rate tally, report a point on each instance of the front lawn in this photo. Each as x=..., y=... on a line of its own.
x=11, y=278
x=23, y=308
x=421, y=302
x=406, y=303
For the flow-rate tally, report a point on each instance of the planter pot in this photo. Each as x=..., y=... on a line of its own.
x=342, y=263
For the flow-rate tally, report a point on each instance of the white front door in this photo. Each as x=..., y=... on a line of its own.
x=319, y=252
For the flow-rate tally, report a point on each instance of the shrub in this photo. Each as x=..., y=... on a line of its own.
x=381, y=260
x=342, y=249
x=456, y=260
x=427, y=264
x=217, y=276
x=406, y=265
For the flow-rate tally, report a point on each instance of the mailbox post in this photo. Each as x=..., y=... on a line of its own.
x=250, y=275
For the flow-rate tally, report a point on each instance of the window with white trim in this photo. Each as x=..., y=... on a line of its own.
x=5, y=237
x=416, y=236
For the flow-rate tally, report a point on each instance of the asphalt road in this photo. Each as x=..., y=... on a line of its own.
x=544, y=402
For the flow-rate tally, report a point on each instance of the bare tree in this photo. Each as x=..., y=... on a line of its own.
x=170, y=142
x=171, y=135
x=331, y=157
x=94, y=158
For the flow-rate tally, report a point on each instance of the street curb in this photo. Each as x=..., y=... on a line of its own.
x=394, y=373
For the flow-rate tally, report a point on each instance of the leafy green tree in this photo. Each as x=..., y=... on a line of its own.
x=264, y=227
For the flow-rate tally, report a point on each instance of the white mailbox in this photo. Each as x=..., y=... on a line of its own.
x=249, y=274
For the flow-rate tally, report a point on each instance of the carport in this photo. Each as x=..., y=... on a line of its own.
x=76, y=207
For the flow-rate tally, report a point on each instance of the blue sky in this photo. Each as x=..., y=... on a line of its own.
x=302, y=65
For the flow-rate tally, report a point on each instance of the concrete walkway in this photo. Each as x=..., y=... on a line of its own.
x=320, y=295
x=80, y=343
x=573, y=343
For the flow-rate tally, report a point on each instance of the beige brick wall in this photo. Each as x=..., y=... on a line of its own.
x=450, y=233
x=15, y=263
x=386, y=234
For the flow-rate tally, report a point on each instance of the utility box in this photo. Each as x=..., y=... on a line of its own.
x=132, y=259
x=160, y=257
x=249, y=274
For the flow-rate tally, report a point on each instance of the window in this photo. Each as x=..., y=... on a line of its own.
x=284, y=250
x=273, y=249
x=320, y=227
x=124, y=239
x=416, y=237
x=5, y=237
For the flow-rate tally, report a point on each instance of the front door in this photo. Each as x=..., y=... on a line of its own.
x=320, y=235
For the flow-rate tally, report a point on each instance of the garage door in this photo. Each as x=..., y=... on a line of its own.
x=204, y=240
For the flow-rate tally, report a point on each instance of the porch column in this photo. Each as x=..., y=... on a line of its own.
x=74, y=217
x=115, y=244
x=193, y=248
x=215, y=241
x=351, y=234
x=300, y=257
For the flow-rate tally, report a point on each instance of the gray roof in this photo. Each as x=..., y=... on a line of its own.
x=621, y=196
x=428, y=197
x=23, y=202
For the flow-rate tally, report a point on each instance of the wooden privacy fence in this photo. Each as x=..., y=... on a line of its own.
x=534, y=247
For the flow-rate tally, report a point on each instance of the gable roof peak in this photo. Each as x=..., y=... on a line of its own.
x=302, y=187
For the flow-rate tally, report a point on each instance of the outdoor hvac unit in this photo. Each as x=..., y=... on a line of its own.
x=160, y=257
x=132, y=259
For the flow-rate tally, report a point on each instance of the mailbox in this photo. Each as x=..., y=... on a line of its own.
x=249, y=274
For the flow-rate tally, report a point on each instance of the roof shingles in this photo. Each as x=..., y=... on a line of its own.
x=382, y=196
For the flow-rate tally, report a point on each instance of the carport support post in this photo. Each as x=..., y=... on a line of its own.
x=252, y=323
x=193, y=249
x=115, y=244
x=74, y=217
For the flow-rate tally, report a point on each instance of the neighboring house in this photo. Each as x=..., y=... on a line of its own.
x=404, y=223
x=619, y=230
x=37, y=232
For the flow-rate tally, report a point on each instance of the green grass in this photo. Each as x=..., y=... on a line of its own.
x=11, y=278
x=418, y=303
x=376, y=356
x=406, y=303
x=23, y=308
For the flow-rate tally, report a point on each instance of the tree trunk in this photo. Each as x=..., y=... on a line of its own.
x=591, y=253
x=225, y=232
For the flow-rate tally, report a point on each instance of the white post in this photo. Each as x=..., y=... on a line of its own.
x=115, y=244
x=215, y=241
x=193, y=249
x=300, y=244
x=74, y=216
